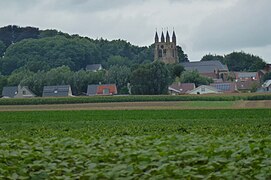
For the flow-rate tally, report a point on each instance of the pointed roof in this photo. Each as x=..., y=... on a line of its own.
x=156, y=37
x=174, y=37
x=162, y=37
x=167, y=37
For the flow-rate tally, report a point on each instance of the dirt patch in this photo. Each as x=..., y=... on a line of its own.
x=134, y=106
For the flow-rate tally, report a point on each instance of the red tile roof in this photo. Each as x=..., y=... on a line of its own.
x=111, y=87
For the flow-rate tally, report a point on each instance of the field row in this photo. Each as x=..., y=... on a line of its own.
x=134, y=122
x=165, y=105
x=103, y=99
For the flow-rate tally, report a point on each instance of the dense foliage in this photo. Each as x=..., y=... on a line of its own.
x=42, y=50
x=152, y=79
x=238, y=61
x=195, y=77
x=188, y=144
x=78, y=80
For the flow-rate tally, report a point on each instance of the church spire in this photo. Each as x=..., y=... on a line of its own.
x=167, y=37
x=156, y=37
x=174, y=39
x=162, y=37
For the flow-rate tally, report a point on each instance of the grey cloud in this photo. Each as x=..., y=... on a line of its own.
x=247, y=24
x=91, y=5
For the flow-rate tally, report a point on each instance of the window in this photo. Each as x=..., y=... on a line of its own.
x=24, y=92
x=106, y=91
x=203, y=89
x=160, y=53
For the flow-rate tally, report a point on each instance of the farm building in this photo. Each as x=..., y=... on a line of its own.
x=17, y=92
x=57, y=91
x=212, y=69
x=180, y=88
x=94, y=67
x=102, y=89
x=266, y=87
x=246, y=76
x=204, y=89
x=225, y=87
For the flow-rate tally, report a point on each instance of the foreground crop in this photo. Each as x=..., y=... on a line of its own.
x=158, y=157
x=164, y=144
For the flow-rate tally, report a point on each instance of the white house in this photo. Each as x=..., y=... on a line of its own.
x=204, y=90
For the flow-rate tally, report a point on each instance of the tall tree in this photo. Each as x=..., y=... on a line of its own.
x=150, y=79
x=240, y=61
x=195, y=77
x=3, y=82
x=119, y=75
x=2, y=48
x=210, y=57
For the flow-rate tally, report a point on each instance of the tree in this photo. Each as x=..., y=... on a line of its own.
x=267, y=76
x=18, y=76
x=150, y=79
x=240, y=61
x=119, y=75
x=195, y=77
x=2, y=48
x=12, y=34
x=210, y=57
x=118, y=60
x=182, y=56
x=3, y=82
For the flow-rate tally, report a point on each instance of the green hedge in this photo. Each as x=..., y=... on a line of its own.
x=103, y=99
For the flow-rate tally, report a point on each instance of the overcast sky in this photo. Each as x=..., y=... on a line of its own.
x=202, y=26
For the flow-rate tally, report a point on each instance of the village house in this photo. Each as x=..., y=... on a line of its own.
x=227, y=87
x=266, y=86
x=180, y=88
x=204, y=89
x=57, y=91
x=246, y=76
x=247, y=81
x=102, y=89
x=17, y=92
x=94, y=67
x=212, y=69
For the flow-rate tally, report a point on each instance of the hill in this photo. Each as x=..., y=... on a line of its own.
x=36, y=50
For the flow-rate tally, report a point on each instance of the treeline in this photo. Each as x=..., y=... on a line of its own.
x=38, y=50
x=238, y=61
x=150, y=78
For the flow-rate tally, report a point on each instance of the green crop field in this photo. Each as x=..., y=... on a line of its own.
x=136, y=144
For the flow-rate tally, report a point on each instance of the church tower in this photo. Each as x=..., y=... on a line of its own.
x=165, y=49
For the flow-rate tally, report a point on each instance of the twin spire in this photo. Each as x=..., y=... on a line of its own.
x=167, y=37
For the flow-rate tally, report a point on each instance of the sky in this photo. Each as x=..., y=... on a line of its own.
x=202, y=26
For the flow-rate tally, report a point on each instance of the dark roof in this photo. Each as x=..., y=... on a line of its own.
x=225, y=87
x=246, y=74
x=56, y=91
x=93, y=67
x=245, y=85
x=182, y=87
x=92, y=89
x=205, y=66
x=10, y=91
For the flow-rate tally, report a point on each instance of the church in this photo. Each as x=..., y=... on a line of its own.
x=166, y=48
